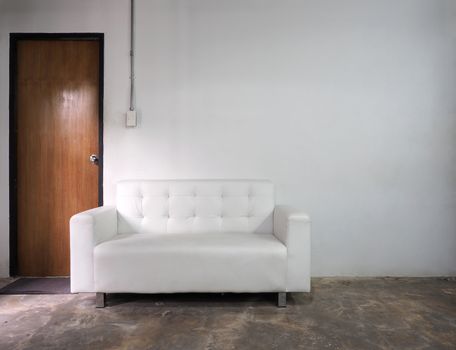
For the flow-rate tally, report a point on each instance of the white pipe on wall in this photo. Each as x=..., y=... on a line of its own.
x=132, y=54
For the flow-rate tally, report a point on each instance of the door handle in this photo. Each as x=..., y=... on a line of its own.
x=93, y=159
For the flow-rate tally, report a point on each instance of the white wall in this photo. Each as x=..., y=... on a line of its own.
x=348, y=106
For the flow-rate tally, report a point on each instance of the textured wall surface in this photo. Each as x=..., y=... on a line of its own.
x=347, y=106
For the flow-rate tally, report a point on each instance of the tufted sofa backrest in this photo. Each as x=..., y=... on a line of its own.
x=198, y=206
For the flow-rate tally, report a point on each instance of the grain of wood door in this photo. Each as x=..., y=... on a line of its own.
x=57, y=119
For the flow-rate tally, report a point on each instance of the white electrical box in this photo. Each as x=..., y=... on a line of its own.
x=131, y=119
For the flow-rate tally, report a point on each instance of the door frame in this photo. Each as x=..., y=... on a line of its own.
x=14, y=39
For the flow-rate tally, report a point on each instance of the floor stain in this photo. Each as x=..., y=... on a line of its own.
x=364, y=313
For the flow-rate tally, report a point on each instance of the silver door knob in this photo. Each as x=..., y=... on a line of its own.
x=93, y=158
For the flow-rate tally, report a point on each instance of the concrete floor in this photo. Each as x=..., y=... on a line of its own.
x=383, y=313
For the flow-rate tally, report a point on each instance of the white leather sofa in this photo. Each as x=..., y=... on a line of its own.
x=191, y=236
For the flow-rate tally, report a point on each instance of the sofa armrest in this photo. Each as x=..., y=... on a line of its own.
x=87, y=229
x=292, y=227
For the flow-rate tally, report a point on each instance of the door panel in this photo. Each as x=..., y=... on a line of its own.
x=57, y=118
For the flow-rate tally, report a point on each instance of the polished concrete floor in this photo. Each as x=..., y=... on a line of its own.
x=383, y=313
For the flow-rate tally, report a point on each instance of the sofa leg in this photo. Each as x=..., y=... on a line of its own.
x=100, y=300
x=282, y=299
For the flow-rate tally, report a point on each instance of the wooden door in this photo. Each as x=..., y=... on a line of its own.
x=57, y=111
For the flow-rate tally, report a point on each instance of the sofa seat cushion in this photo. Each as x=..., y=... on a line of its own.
x=190, y=262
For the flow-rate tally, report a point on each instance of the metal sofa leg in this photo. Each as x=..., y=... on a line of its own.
x=100, y=299
x=282, y=299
